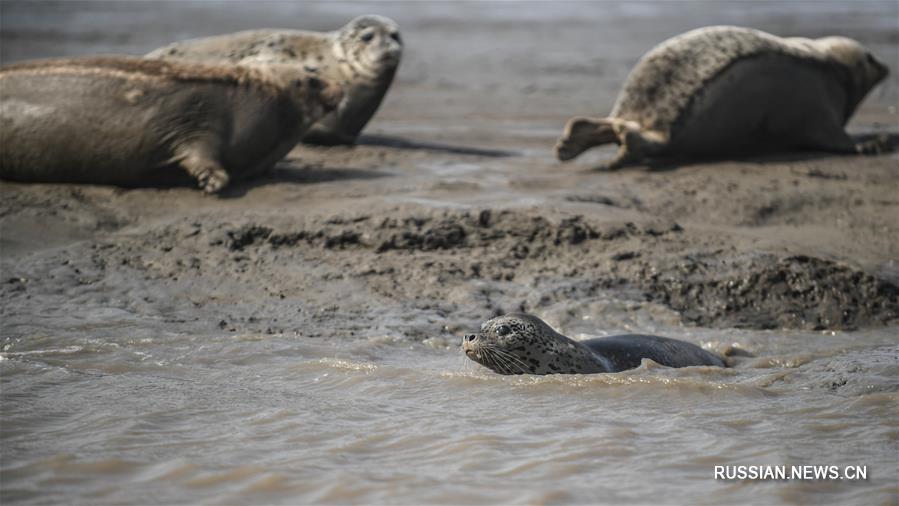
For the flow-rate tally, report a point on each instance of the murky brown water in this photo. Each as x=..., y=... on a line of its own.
x=144, y=361
x=287, y=419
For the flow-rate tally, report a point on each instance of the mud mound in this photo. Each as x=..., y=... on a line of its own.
x=771, y=292
x=521, y=231
x=422, y=256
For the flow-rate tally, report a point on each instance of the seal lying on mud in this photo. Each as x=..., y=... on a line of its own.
x=525, y=344
x=725, y=89
x=128, y=120
x=362, y=57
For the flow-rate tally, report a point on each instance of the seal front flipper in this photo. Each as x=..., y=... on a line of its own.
x=877, y=145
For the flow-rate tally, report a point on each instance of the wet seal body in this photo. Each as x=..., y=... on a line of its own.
x=131, y=121
x=525, y=344
x=724, y=89
x=362, y=57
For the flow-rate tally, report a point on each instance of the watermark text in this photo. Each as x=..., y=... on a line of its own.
x=811, y=472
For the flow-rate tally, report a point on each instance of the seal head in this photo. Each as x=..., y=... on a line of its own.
x=524, y=344
x=371, y=45
x=865, y=71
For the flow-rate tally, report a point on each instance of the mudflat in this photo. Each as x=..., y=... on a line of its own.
x=454, y=186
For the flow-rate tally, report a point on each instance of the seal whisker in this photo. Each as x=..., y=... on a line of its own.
x=497, y=361
x=490, y=360
x=517, y=361
x=511, y=360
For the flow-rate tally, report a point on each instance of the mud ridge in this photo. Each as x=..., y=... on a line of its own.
x=424, y=255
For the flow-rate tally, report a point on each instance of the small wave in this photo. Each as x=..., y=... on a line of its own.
x=65, y=350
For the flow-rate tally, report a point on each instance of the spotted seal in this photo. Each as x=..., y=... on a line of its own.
x=725, y=89
x=127, y=120
x=362, y=56
x=524, y=344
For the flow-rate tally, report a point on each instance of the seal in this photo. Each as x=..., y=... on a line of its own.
x=127, y=120
x=362, y=57
x=725, y=89
x=524, y=344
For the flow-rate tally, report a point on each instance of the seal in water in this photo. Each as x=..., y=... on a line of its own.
x=362, y=57
x=129, y=120
x=525, y=344
x=726, y=89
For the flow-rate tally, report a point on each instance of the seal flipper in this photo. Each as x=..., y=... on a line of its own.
x=827, y=135
x=879, y=144
x=582, y=133
x=197, y=159
x=636, y=144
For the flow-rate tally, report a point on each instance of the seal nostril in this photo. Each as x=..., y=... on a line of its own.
x=470, y=337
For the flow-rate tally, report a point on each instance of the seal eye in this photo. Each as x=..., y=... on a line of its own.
x=396, y=36
x=503, y=330
x=367, y=36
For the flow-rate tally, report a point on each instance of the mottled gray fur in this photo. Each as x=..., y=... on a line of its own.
x=133, y=121
x=362, y=57
x=726, y=89
x=524, y=344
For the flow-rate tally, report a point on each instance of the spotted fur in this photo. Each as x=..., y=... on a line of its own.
x=726, y=89
x=530, y=347
x=524, y=344
x=660, y=88
x=362, y=56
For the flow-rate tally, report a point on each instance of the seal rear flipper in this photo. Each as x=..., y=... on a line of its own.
x=637, y=144
x=198, y=161
x=582, y=133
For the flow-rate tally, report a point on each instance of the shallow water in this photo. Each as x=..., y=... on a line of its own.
x=287, y=419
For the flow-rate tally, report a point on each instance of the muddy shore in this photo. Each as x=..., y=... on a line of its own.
x=453, y=206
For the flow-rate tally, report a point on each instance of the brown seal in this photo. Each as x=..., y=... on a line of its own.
x=361, y=56
x=725, y=89
x=129, y=120
x=524, y=344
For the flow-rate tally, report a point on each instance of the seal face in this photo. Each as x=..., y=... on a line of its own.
x=726, y=89
x=361, y=56
x=524, y=344
x=371, y=46
x=127, y=120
